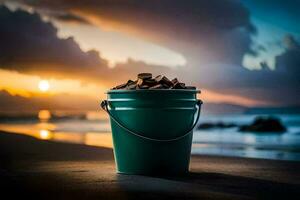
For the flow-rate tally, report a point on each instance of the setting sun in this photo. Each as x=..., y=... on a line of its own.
x=44, y=85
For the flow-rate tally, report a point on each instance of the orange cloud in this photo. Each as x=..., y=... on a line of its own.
x=215, y=97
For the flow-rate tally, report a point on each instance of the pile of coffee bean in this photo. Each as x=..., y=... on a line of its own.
x=145, y=81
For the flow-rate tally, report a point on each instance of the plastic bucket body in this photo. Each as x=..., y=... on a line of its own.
x=149, y=130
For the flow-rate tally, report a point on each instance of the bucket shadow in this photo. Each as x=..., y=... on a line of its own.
x=238, y=185
x=196, y=185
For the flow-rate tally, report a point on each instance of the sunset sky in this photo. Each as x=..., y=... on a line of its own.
x=239, y=52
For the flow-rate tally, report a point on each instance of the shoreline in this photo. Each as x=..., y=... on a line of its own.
x=201, y=147
x=56, y=170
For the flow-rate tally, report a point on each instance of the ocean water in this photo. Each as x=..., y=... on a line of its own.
x=224, y=142
x=231, y=142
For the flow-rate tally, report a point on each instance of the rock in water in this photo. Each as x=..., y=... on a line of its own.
x=220, y=125
x=264, y=124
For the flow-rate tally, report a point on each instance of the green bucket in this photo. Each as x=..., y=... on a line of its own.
x=152, y=130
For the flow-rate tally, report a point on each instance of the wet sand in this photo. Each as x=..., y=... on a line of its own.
x=51, y=170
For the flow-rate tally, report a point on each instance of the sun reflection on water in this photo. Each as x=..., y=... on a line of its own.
x=45, y=129
x=45, y=134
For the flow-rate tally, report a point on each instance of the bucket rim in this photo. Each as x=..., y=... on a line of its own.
x=153, y=90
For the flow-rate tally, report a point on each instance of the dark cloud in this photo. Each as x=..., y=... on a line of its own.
x=70, y=18
x=212, y=35
x=281, y=85
x=30, y=45
x=225, y=14
x=212, y=31
x=289, y=61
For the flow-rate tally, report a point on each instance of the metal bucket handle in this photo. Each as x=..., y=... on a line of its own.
x=104, y=106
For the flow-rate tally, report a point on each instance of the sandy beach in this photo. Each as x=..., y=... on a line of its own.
x=51, y=170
